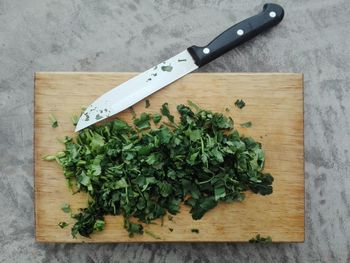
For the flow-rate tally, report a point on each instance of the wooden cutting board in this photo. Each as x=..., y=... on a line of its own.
x=274, y=105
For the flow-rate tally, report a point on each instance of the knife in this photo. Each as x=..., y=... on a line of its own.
x=161, y=75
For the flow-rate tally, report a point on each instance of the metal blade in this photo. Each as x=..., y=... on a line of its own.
x=137, y=88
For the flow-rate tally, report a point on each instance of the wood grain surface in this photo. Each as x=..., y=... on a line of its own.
x=274, y=106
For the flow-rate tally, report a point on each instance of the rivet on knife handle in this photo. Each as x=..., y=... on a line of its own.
x=236, y=35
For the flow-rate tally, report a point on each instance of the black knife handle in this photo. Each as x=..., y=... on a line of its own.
x=236, y=35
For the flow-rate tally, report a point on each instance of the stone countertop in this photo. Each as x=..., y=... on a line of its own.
x=128, y=35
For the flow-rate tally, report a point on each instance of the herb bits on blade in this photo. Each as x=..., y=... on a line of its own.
x=147, y=170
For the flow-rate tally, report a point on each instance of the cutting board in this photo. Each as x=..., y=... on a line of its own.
x=274, y=105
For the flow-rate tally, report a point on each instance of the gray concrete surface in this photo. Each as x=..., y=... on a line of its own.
x=126, y=35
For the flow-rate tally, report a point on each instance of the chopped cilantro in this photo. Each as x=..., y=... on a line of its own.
x=165, y=111
x=133, y=113
x=143, y=173
x=156, y=118
x=66, y=208
x=240, y=104
x=247, y=124
x=152, y=234
x=147, y=104
x=195, y=230
x=99, y=225
x=260, y=239
x=143, y=122
x=53, y=120
x=49, y=158
x=63, y=224
x=75, y=120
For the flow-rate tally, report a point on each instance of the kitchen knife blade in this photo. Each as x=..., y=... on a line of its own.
x=161, y=75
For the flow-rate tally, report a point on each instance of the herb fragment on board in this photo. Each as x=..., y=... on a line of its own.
x=53, y=120
x=99, y=225
x=165, y=111
x=151, y=234
x=75, y=120
x=247, y=124
x=143, y=173
x=240, y=104
x=63, y=224
x=260, y=239
x=171, y=229
x=147, y=104
x=195, y=230
x=49, y=158
x=66, y=208
x=143, y=122
x=156, y=118
x=133, y=113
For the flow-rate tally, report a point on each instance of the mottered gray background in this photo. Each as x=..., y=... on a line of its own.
x=131, y=35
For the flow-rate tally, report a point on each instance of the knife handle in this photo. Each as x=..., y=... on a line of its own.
x=236, y=35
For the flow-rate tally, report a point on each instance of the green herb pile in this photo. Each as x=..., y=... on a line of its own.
x=147, y=170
